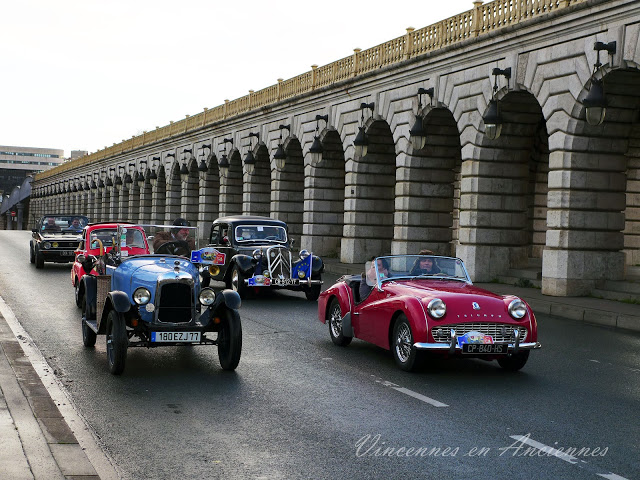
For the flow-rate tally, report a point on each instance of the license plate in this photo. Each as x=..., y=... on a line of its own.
x=175, y=337
x=66, y=253
x=484, y=348
x=285, y=282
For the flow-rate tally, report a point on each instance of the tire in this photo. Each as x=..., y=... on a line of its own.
x=230, y=340
x=402, y=345
x=515, y=361
x=79, y=295
x=313, y=292
x=116, y=342
x=32, y=257
x=334, y=319
x=88, y=336
x=39, y=259
x=236, y=281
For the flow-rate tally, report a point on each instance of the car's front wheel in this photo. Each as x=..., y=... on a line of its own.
x=405, y=355
x=237, y=281
x=78, y=294
x=39, y=259
x=117, y=342
x=89, y=337
x=334, y=320
x=32, y=256
x=230, y=340
x=514, y=361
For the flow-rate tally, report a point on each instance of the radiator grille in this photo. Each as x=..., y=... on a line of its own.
x=103, y=289
x=174, y=303
x=279, y=262
x=500, y=332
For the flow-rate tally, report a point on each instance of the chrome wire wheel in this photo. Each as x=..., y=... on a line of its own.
x=234, y=280
x=335, y=321
x=403, y=343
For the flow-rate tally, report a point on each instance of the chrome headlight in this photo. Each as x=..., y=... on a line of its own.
x=141, y=296
x=517, y=309
x=436, y=308
x=46, y=245
x=304, y=254
x=256, y=254
x=207, y=296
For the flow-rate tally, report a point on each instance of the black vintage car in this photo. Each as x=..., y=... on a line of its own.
x=55, y=238
x=250, y=253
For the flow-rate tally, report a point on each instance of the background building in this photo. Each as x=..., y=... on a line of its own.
x=18, y=162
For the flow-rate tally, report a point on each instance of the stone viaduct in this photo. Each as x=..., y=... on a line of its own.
x=551, y=186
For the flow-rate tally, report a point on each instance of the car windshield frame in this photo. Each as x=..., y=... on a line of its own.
x=438, y=260
x=258, y=227
x=63, y=224
x=150, y=232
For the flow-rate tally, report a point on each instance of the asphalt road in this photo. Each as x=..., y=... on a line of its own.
x=299, y=407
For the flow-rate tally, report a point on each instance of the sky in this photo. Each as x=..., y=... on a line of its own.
x=84, y=74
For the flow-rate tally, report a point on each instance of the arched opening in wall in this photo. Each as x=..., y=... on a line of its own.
x=512, y=185
x=428, y=201
x=159, y=198
x=134, y=201
x=370, y=197
x=145, y=205
x=257, y=186
x=106, y=204
x=209, y=196
x=324, y=199
x=231, y=187
x=189, y=203
x=174, y=194
x=123, y=203
x=287, y=189
x=610, y=217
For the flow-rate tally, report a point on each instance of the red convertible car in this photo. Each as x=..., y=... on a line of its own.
x=412, y=304
x=97, y=240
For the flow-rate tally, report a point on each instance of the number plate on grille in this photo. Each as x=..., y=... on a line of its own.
x=66, y=253
x=484, y=348
x=175, y=337
x=285, y=282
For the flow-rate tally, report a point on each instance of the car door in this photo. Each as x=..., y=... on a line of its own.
x=220, y=241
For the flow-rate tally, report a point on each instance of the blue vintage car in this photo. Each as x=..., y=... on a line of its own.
x=250, y=253
x=155, y=300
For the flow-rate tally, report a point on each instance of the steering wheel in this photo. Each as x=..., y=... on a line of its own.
x=175, y=247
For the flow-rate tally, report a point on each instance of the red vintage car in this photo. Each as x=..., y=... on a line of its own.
x=97, y=240
x=414, y=304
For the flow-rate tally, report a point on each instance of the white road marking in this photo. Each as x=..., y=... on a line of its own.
x=411, y=393
x=552, y=452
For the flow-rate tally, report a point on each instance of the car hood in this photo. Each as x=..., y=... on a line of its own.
x=249, y=249
x=62, y=236
x=148, y=269
x=465, y=302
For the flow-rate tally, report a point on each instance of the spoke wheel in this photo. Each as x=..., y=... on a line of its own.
x=79, y=296
x=402, y=345
x=88, y=335
x=334, y=320
x=237, y=282
x=116, y=342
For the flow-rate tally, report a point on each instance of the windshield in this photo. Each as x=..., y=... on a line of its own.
x=261, y=233
x=415, y=266
x=63, y=224
x=168, y=239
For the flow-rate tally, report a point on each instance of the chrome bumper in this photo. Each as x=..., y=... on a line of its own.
x=453, y=347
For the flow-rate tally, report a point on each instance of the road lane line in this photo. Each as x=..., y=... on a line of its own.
x=411, y=393
x=552, y=452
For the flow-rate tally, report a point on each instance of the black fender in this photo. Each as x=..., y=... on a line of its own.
x=227, y=299
x=90, y=286
x=245, y=263
x=317, y=265
x=119, y=301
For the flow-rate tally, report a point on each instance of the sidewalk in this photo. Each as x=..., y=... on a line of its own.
x=36, y=442
x=591, y=310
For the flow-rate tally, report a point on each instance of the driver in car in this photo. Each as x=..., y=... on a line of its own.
x=175, y=236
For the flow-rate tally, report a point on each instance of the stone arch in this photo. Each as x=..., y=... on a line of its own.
x=209, y=196
x=256, y=193
x=428, y=190
x=287, y=188
x=503, y=204
x=189, y=197
x=145, y=203
x=324, y=198
x=369, y=197
x=231, y=186
x=173, y=194
x=159, y=197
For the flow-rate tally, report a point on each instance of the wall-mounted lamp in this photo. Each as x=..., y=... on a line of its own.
x=108, y=182
x=184, y=170
x=492, y=119
x=250, y=160
x=417, y=134
x=202, y=167
x=118, y=180
x=280, y=156
x=316, y=149
x=596, y=102
x=74, y=186
x=223, y=165
x=153, y=176
x=361, y=142
x=140, y=174
x=128, y=180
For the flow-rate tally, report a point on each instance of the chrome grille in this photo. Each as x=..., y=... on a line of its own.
x=500, y=332
x=279, y=262
x=174, y=303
